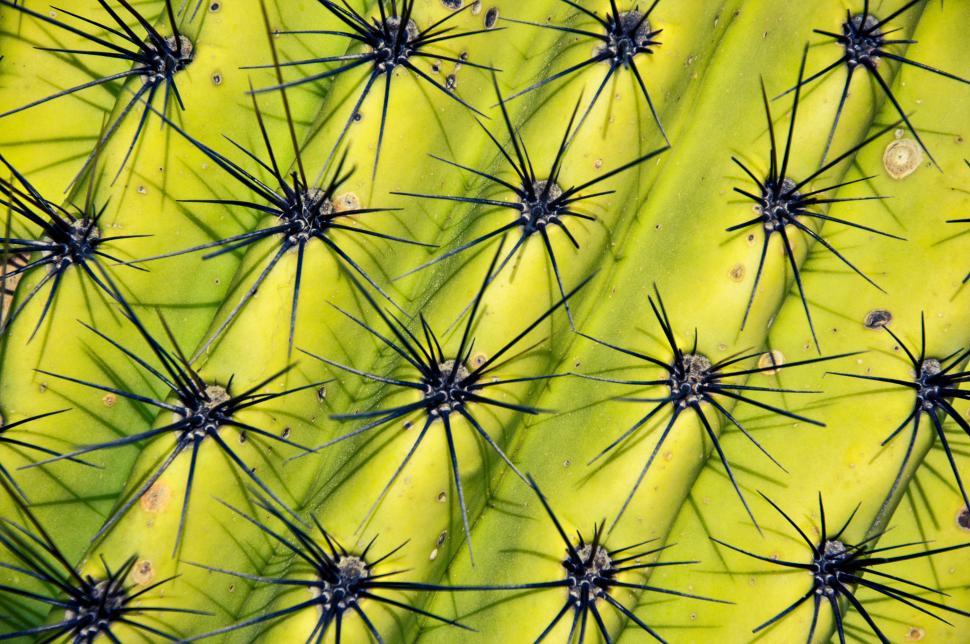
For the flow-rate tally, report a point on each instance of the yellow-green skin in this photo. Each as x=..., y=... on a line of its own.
x=663, y=225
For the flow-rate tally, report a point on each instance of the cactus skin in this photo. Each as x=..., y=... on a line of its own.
x=660, y=224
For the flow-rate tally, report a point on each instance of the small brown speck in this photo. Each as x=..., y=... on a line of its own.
x=109, y=400
x=143, y=572
x=216, y=78
x=156, y=498
x=346, y=201
x=737, y=272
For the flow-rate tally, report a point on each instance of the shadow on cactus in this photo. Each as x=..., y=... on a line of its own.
x=302, y=212
x=7, y=438
x=625, y=35
x=68, y=239
x=92, y=606
x=692, y=379
x=449, y=384
x=155, y=58
x=961, y=221
x=936, y=383
x=343, y=581
x=864, y=41
x=839, y=568
x=781, y=203
x=204, y=411
x=541, y=203
x=387, y=47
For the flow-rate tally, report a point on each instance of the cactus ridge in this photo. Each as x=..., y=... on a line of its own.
x=341, y=579
x=625, y=35
x=449, y=383
x=388, y=47
x=68, y=239
x=540, y=201
x=693, y=379
x=864, y=41
x=156, y=59
x=92, y=605
x=837, y=568
x=936, y=384
x=300, y=212
x=780, y=202
x=202, y=411
x=591, y=577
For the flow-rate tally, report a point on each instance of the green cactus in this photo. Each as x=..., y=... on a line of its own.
x=418, y=320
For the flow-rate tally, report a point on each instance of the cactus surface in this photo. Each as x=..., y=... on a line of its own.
x=419, y=320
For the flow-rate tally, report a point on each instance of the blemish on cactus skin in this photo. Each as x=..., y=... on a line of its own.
x=915, y=633
x=864, y=43
x=901, y=158
x=784, y=209
x=156, y=498
x=491, y=17
x=770, y=361
x=90, y=604
x=109, y=400
x=878, y=318
x=143, y=572
x=737, y=272
x=216, y=78
x=8, y=283
x=963, y=518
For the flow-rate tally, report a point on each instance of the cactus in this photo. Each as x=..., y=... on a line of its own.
x=417, y=320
